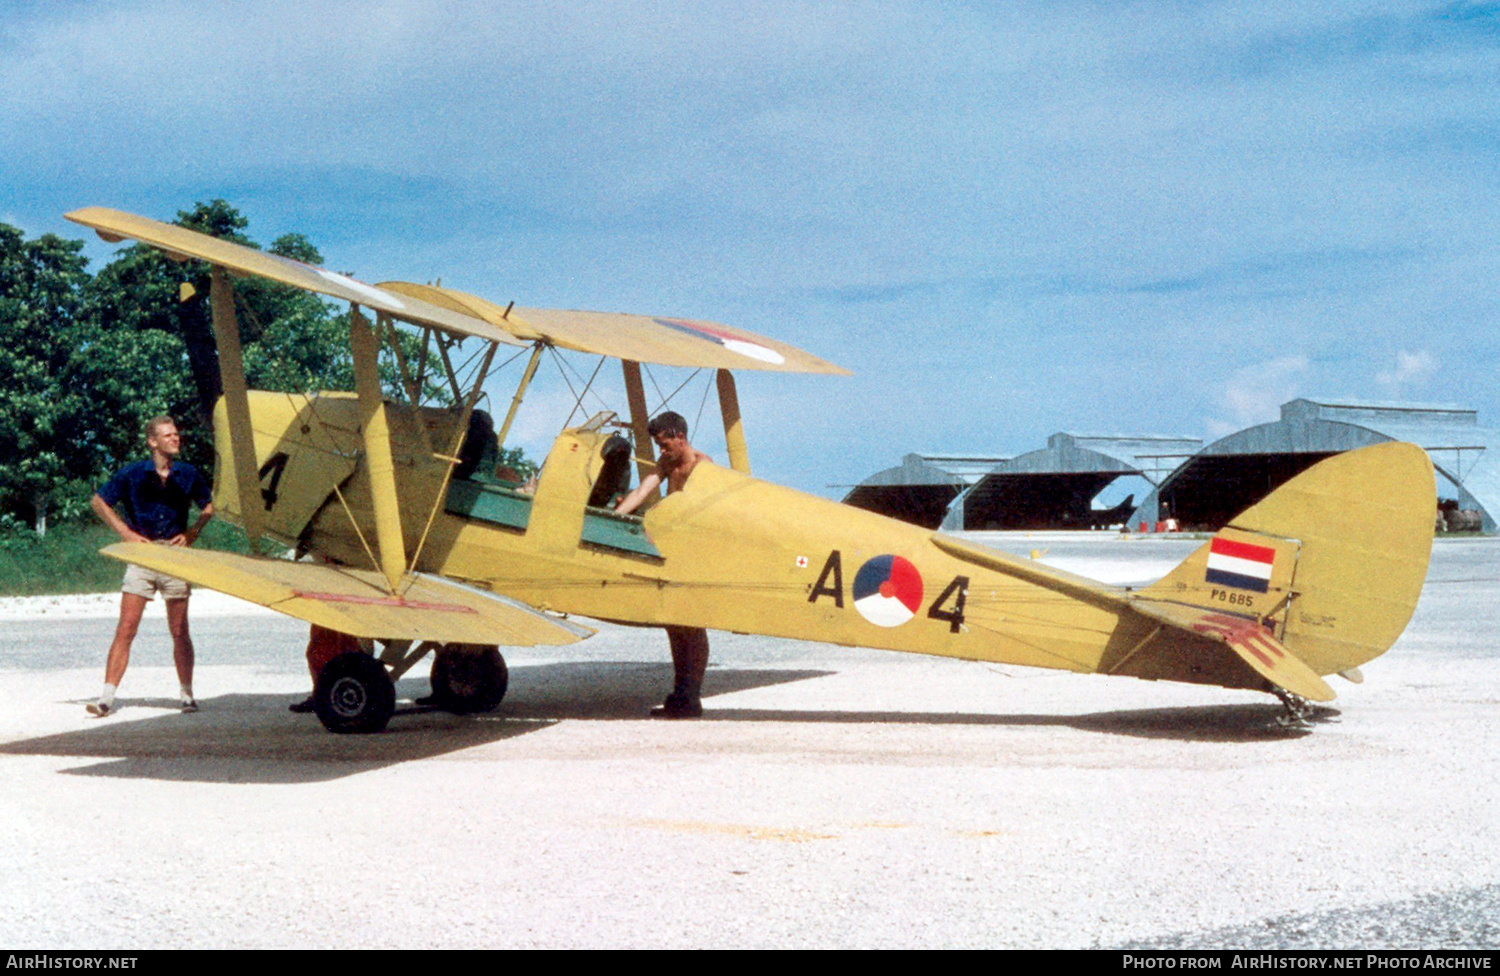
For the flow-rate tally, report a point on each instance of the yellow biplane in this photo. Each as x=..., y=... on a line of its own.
x=412, y=541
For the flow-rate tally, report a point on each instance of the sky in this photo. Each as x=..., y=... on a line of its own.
x=1007, y=219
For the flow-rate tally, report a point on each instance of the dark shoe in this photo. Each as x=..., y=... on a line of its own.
x=679, y=706
x=99, y=709
x=189, y=705
x=302, y=707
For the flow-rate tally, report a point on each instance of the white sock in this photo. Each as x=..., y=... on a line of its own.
x=187, y=692
x=107, y=696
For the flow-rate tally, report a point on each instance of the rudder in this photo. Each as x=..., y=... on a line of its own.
x=1334, y=560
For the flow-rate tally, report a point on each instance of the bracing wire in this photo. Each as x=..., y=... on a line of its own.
x=652, y=377
x=576, y=395
x=701, y=404
x=665, y=400
x=518, y=354
x=579, y=402
x=602, y=402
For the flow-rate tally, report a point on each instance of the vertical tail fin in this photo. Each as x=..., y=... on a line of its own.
x=1333, y=560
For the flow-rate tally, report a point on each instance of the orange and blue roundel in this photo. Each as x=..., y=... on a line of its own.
x=887, y=591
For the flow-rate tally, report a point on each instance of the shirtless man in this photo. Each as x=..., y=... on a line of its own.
x=689, y=644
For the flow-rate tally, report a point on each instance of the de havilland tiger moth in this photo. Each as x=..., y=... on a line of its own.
x=413, y=541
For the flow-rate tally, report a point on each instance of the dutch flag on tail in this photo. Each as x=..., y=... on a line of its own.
x=1240, y=565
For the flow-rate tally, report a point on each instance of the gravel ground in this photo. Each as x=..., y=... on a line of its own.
x=831, y=797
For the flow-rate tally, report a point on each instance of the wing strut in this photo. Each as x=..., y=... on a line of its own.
x=453, y=383
x=460, y=433
x=388, y=329
x=734, y=430
x=645, y=451
x=377, y=437
x=236, y=402
x=515, y=403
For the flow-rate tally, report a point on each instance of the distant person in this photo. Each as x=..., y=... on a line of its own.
x=689, y=644
x=155, y=496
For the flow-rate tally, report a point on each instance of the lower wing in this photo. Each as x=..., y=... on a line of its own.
x=356, y=601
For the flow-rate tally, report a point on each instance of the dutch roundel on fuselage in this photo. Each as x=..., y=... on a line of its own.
x=887, y=591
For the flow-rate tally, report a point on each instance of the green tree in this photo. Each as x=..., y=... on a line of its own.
x=295, y=342
x=88, y=360
x=46, y=448
x=158, y=309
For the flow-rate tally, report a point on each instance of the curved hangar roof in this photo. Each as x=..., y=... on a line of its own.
x=1054, y=486
x=920, y=488
x=1236, y=471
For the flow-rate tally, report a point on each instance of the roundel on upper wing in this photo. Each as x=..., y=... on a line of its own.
x=887, y=591
x=730, y=341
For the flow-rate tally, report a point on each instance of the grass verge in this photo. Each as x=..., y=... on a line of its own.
x=67, y=559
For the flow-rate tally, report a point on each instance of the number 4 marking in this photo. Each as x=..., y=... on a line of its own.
x=955, y=591
x=273, y=466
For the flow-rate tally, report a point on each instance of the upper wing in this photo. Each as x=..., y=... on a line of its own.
x=642, y=338
x=181, y=243
x=356, y=601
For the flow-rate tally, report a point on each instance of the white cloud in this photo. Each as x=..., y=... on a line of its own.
x=1412, y=369
x=1254, y=394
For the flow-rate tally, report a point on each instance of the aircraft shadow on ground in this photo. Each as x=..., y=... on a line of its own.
x=1209, y=723
x=245, y=738
x=624, y=689
x=1202, y=723
x=628, y=689
x=252, y=738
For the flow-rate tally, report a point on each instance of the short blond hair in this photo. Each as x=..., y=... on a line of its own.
x=157, y=422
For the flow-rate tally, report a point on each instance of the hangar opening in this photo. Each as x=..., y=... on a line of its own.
x=1212, y=489
x=1235, y=472
x=1042, y=501
x=920, y=489
x=1056, y=487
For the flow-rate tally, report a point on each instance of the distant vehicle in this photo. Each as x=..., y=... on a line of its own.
x=420, y=545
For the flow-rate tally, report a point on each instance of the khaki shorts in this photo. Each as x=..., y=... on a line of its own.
x=148, y=582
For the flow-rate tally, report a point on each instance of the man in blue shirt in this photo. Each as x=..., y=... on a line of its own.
x=154, y=496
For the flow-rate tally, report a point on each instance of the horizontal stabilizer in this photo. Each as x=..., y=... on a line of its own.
x=641, y=338
x=1031, y=571
x=1246, y=638
x=356, y=601
x=181, y=243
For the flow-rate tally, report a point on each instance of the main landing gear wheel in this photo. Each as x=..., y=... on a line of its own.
x=354, y=693
x=469, y=678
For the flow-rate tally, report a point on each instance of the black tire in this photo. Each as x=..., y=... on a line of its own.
x=468, y=678
x=354, y=694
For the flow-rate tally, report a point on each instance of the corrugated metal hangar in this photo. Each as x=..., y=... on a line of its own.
x=1198, y=487
x=1054, y=487
x=1233, y=473
x=920, y=489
